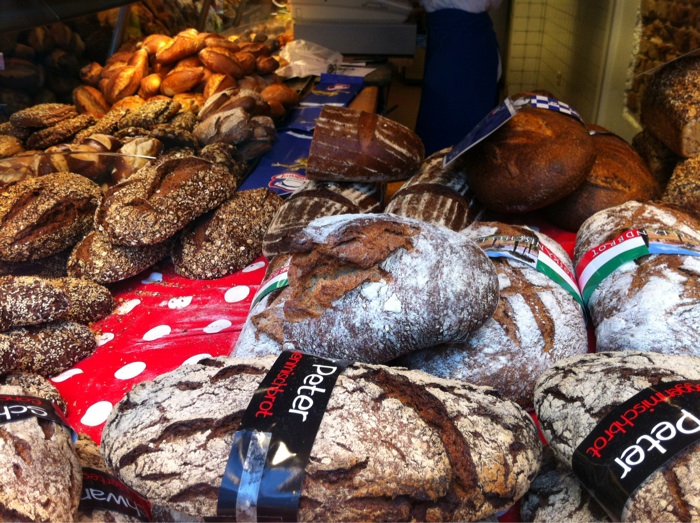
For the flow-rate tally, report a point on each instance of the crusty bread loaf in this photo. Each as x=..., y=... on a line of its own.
x=683, y=188
x=45, y=215
x=618, y=175
x=357, y=146
x=393, y=445
x=316, y=200
x=570, y=402
x=63, y=131
x=437, y=195
x=659, y=159
x=669, y=106
x=537, y=323
x=373, y=287
x=39, y=468
x=652, y=303
x=229, y=238
x=43, y=115
x=533, y=160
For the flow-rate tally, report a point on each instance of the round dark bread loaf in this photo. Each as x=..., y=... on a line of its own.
x=653, y=302
x=42, y=216
x=683, y=189
x=46, y=349
x=570, y=402
x=229, y=238
x=393, y=445
x=537, y=323
x=40, y=471
x=356, y=146
x=533, y=160
x=372, y=288
x=618, y=175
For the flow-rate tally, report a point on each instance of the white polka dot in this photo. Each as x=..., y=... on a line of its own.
x=157, y=332
x=96, y=414
x=179, y=302
x=127, y=306
x=154, y=277
x=254, y=267
x=194, y=359
x=130, y=370
x=66, y=374
x=237, y=293
x=103, y=338
x=217, y=326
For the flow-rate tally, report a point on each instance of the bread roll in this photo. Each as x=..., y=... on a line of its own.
x=372, y=288
x=464, y=452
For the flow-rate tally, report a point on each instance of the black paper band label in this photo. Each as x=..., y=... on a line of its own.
x=271, y=449
x=635, y=439
x=17, y=408
x=102, y=491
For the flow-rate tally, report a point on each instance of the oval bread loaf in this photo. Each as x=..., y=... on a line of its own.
x=393, y=445
x=570, y=402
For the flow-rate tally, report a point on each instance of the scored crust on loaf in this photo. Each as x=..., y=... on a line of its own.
x=393, y=445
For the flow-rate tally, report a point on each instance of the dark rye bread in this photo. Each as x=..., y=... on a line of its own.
x=536, y=158
x=94, y=258
x=356, y=146
x=46, y=349
x=393, y=445
x=229, y=238
x=683, y=188
x=160, y=199
x=570, y=402
x=537, y=323
x=652, y=303
x=372, y=288
x=43, y=115
x=32, y=300
x=659, y=159
x=40, y=471
x=53, y=266
x=437, y=195
x=618, y=175
x=42, y=216
x=315, y=200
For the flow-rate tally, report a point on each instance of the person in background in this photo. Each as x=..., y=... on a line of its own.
x=462, y=69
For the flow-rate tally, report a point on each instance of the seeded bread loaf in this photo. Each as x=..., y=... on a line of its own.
x=372, y=288
x=653, y=302
x=40, y=471
x=570, y=402
x=537, y=323
x=683, y=189
x=393, y=445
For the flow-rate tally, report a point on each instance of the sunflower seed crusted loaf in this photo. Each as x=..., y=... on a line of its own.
x=393, y=445
x=570, y=402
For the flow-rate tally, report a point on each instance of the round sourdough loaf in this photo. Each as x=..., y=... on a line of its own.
x=372, y=288
x=393, y=445
x=537, y=323
x=533, y=160
x=570, y=402
x=653, y=302
x=40, y=471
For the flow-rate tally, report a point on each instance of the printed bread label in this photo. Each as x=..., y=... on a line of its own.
x=102, y=491
x=635, y=439
x=277, y=280
x=272, y=446
x=18, y=408
x=601, y=261
x=530, y=251
x=500, y=115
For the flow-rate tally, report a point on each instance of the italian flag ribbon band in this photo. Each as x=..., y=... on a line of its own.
x=277, y=280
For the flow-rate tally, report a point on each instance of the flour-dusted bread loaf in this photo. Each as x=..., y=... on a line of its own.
x=618, y=175
x=355, y=146
x=393, y=445
x=40, y=471
x=372, y=288
x=42, y=216
x=533, y=160
x=573, y=396
x=316, y=200
x=653, y=302
x=437, y=195
x=683, y=188
x=537, y=323
x=669, y=107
